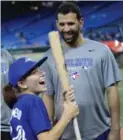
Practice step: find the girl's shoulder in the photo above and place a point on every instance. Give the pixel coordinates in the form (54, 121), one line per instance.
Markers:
(29, 99)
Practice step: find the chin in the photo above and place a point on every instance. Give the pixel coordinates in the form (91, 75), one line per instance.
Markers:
(68, 40)
(44, 90)
(71, 41)
(41, 90)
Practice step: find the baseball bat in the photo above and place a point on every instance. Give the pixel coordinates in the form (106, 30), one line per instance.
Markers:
(55, 44)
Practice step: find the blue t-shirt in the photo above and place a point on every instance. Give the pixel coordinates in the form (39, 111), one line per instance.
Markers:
(29, 118)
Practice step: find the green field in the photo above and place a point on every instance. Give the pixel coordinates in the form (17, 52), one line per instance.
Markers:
(37, 56)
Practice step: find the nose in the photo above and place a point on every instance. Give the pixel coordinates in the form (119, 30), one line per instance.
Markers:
(66, 28)
(42, 73)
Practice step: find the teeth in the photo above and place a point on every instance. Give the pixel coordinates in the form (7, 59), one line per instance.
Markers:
(41, 79)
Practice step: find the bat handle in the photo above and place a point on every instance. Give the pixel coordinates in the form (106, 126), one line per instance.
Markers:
(76, 129)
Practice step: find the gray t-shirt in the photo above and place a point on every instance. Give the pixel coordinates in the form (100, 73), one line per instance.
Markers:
(6, 59)
(92, 68)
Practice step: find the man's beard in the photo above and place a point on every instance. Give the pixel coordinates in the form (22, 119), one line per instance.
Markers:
(71, 40)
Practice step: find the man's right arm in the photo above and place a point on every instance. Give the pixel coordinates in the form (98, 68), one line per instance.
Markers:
(49, 103)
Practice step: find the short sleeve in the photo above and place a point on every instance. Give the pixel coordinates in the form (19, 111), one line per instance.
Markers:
(48, 77)
(38, 116)
(111, 73)
(6, 60)
(6, 56)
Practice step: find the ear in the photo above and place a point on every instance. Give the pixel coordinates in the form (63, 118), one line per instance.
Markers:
(81, 22)
(57, 24)
(22, 84)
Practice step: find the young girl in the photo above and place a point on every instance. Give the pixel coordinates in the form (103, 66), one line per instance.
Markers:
(29, 119)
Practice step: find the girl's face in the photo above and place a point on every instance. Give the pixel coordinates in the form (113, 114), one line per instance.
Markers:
(35, 82)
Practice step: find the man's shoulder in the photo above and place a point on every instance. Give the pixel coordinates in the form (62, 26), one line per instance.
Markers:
(49, 54)
(96, 45)
(89, 41)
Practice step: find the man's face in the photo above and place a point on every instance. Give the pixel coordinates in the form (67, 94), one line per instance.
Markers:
(69, 27)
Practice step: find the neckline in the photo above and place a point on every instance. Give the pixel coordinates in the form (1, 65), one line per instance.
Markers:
(65, 46)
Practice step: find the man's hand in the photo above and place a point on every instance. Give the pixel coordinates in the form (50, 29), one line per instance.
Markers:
(114, 134)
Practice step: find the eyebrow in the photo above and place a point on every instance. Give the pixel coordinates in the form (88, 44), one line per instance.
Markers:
(69, 22)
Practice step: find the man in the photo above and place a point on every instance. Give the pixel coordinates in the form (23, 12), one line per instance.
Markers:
(6, 59)
(92, 71)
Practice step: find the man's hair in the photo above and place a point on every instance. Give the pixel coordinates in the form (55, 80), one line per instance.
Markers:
(69, 7)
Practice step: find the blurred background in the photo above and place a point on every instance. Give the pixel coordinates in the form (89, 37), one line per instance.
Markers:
(25, 26)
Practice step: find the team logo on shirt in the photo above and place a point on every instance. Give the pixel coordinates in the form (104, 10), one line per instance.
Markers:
(75, 75)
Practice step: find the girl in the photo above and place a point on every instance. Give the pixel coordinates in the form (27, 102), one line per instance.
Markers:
(29, 119)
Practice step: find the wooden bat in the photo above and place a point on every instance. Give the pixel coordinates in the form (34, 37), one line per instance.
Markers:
(55, 44)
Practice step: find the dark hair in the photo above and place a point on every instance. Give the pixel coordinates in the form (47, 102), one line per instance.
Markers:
(10, 95)
(69, 7)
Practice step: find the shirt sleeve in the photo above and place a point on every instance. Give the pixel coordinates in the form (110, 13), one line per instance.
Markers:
(6, 60)
(111, 73)
(38, 116)
(48, 77)
(7, 56)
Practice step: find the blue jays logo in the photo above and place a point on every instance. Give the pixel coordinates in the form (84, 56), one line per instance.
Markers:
(75, 75)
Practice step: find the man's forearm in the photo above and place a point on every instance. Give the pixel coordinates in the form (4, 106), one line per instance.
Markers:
(49, 103)
(114, 106)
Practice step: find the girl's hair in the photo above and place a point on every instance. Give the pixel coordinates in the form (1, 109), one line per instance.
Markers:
(10, 95)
